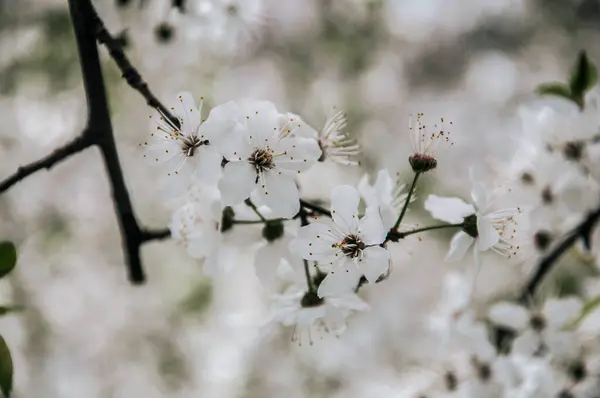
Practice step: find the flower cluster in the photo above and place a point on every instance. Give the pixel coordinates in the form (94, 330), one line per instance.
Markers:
(236, 176)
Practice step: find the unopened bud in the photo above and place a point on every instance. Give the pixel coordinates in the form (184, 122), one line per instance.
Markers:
(164, 32)
(272, 230)
(422, 163)
(311, 299)
(227, 219)
(470, 226)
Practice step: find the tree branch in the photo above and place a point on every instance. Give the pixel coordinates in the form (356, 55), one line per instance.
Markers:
(59, 154)
(84, 16)
(582, 231)
(128, 71)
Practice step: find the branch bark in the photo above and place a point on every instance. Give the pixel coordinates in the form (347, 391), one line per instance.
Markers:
(99, 125)
(59, 154)
(582, 231)
(128, 71)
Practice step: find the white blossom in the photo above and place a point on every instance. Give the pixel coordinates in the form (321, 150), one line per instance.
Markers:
(309, 315)
(187, 151)
(385, 194)
(347, 247)
(541, 332)
(336, 145)
(197, 226)
(425, 141)
(263, 162)
(482, 228)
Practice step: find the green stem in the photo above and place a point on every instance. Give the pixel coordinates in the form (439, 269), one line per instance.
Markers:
(315, 208)
(416, 231)
(311, 287)
(249, 203)
(304, 222)
(405, 207)
(244, 222)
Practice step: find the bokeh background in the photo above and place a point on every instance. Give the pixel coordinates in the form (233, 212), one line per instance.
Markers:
(86, 332)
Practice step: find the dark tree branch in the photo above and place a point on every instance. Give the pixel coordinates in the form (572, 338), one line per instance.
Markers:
(582, 231)
(84, 19)
(158, 234)
(59, 154)
(128, 71)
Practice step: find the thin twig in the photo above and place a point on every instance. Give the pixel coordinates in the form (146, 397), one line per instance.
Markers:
(59, 154)
(251, 205)
(128, 71)
(84, 17)
(406, 203)
(582, 231)
(395, 236)
(315, 208)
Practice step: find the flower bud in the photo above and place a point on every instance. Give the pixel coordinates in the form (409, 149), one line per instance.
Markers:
(227, 219)
(421, 163)
(470, 226)
(272, 230)
(311, 299)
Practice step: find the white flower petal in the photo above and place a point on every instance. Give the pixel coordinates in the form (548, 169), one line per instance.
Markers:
(187, 112)
(375, 262)
(262, 121)
(344, 208)
(221, 122)
(208, 166)
(527, 344)
(450, 210)
(339, 282)
(202, 243)
(296, 154)
(235, 146)
(510, 315)
(559, 312)
(479, 196)
(459, 245)
(370, 227)
(314, 242)
(367, 192)
(267, 260)
(487, 234)
(237, 182)
(349, 301)
(280, 193)
(563, 346)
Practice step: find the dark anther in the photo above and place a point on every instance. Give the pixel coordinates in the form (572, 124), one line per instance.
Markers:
(451, 381)
(164, 32)
(547, 196)
(527, 178)
(573, 150)
(537, 322)
(542, 240)
(577, 371)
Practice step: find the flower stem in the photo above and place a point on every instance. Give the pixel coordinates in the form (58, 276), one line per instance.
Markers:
(249, 203)
(263, 221)
(315, 208)
(405, 207)
(430, 228)
(311, 287)
(304, 222)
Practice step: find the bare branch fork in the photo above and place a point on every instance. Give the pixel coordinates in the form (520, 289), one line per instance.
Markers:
(88, 28)
(582, 231)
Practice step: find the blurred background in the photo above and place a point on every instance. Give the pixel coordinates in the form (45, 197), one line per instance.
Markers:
(86, 332)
